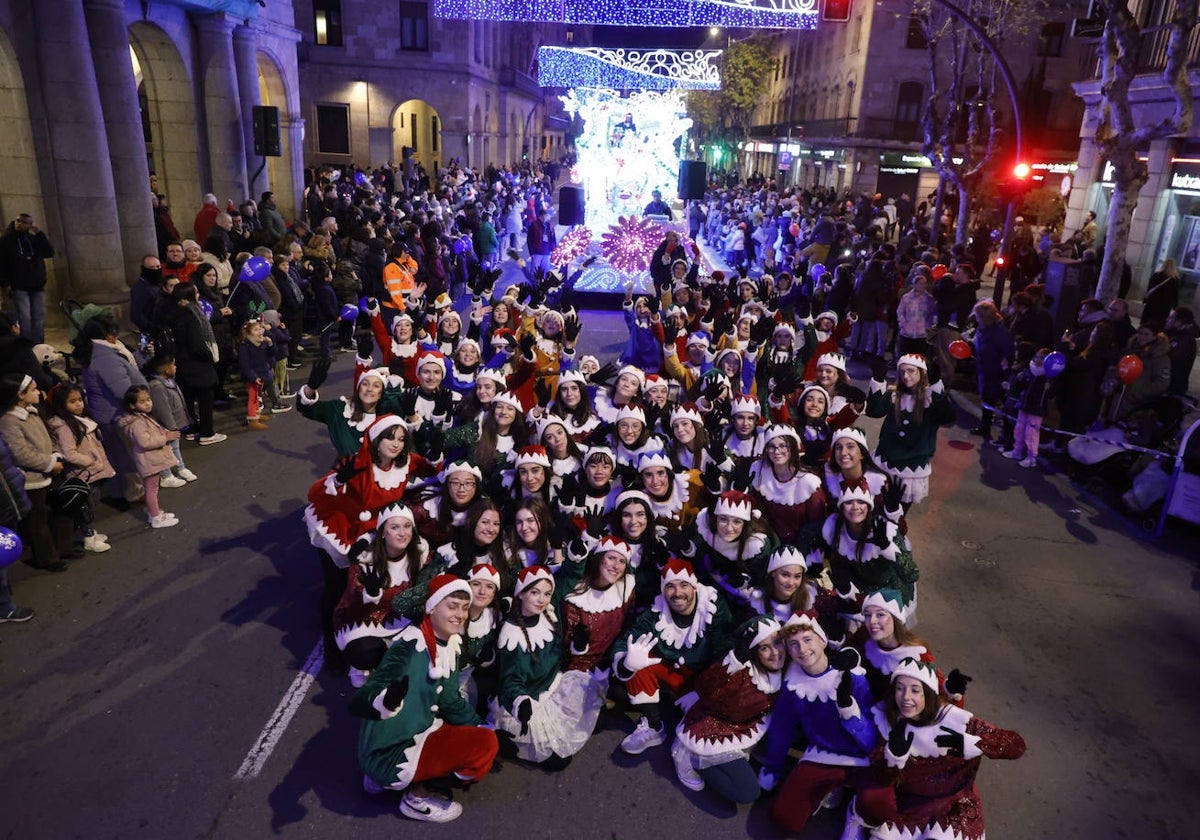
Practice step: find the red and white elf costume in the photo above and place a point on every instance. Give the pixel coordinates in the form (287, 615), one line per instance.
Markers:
(791, 503)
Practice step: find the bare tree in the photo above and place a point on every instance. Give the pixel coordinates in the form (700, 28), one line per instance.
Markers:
(1118, 137)
(961, 136)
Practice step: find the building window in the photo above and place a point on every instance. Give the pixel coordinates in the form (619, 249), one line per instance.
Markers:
(1050, 42)
(434, 128)
(412, 125)
(414, 26)
(915, 39)
(909, 102)
(333, 129)
(327, 22)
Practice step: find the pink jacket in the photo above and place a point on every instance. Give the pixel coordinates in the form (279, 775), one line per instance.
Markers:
(87, 456)
(151, 450)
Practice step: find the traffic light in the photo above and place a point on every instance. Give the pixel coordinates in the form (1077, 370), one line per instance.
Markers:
(835, 10)
(1018, 182)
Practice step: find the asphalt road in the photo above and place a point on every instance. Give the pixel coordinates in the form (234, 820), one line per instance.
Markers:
(135, 697)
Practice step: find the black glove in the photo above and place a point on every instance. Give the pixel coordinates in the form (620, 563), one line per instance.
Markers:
(365, 345)
(581, 636)
(711, 477)
(787, 381)
(396, 367)
(526, 342)
(934, 373)
(345, 470)
(319, 372)
(879, 532)
(717, 294)
(562, 532)
(371, 579)
(892, 495)
(395, 693)
(655, 552)
(443, 402)
(762, 329)
(653, 302)
(541, 390)
(739, 479)
(839, 576)
(845, 691)
(952, 742)
(607, 374)
(878, 369)
(571, 326)
(524, 712)
(956, 682)
(900, 740)
(427, 441)
(595, 525)
(487, 654)
(738, 578)
(846, 659)
(723, 323)
(713, 388)
(670, 331)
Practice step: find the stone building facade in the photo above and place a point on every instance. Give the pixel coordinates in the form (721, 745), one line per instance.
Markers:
(98, 95)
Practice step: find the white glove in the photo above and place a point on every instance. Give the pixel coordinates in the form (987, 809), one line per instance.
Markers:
(639, 654)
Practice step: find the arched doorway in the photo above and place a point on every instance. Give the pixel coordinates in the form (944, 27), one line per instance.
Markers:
(281, 174)
(168, 116)
(20, 189)
(417, 126)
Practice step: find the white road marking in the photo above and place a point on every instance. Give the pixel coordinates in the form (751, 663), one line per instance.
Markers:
(284, 712)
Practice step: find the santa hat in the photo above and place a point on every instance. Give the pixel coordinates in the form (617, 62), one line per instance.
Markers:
(922, 672)
(611, 543)
(913, 360)
(854, 433)
(857, 493)
(493, 375)
(890, 600)
(447, 315)
(396, 510)
(530, 575)
(654, 459)
(388, 421)
(679, 570)
(504, 337)
(632, 496)
(744, 404)
(718, 276)
(779, 430)
(601, 449)
(460, 466)
(584, 361)
(571, 376)
(544, 423)
(724, 354)
(403, 316)
(653, 380)
(431, 357)
(532, 455)
(629, 411)
(736, 504)
(808, 388)
(509, 398)
(830, 314)
(836, 360)
(468, 342)
(443, 586)
(807, 620)
(551, 315)
(752, 633)
(485, 572)
(373, 373)
(687, 411)
(635, 372)
(784, 329)
(700, 339)
(786, 555)
(442, 301)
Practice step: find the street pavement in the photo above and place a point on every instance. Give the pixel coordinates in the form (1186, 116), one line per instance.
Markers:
(134, 700)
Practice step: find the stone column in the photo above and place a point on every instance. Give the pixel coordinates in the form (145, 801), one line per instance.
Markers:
(222, 108)
(90, 241)
(123, 124)
(245, 53)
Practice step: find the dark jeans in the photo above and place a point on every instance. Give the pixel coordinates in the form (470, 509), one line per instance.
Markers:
(47, 534)
(335, 579)
(735, 781)
(200, 409)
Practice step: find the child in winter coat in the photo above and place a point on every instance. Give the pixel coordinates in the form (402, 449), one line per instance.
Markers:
(170, 410)
(256, 358)
(151, 445)
(281, 339)
(78, 438)
(1036, 391)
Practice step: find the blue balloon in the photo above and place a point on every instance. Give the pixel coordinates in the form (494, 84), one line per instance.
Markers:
(1054, 364)
(206, 308)
(362, 304)
(349, 312)
(255, 270)
(10, 547)
(360, 178)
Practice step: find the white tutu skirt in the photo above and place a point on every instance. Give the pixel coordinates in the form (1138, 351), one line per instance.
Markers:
(563, 717)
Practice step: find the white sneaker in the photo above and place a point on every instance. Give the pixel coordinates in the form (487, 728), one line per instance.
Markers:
(429, 808)
(684, 769)
(186, 474)
(281, 409)
(1028, 462)
(102, 537)
(171, 481)
(643, 738)
(1011, 454)
(163, 520)
(97, 545)
(216, 437)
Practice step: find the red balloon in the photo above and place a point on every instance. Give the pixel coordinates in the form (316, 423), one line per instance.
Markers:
(960, 349)
(938, 272)
(795, 229)
(1129, 369)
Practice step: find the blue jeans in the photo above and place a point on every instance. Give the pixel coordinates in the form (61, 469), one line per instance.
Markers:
(31, 312)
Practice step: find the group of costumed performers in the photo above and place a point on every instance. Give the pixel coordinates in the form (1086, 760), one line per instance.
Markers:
(515, 538)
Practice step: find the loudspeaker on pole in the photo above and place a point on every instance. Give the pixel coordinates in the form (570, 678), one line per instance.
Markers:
(693, 176)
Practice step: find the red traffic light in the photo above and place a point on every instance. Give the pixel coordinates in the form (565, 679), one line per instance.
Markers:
(1021, 170)
(835, 10)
